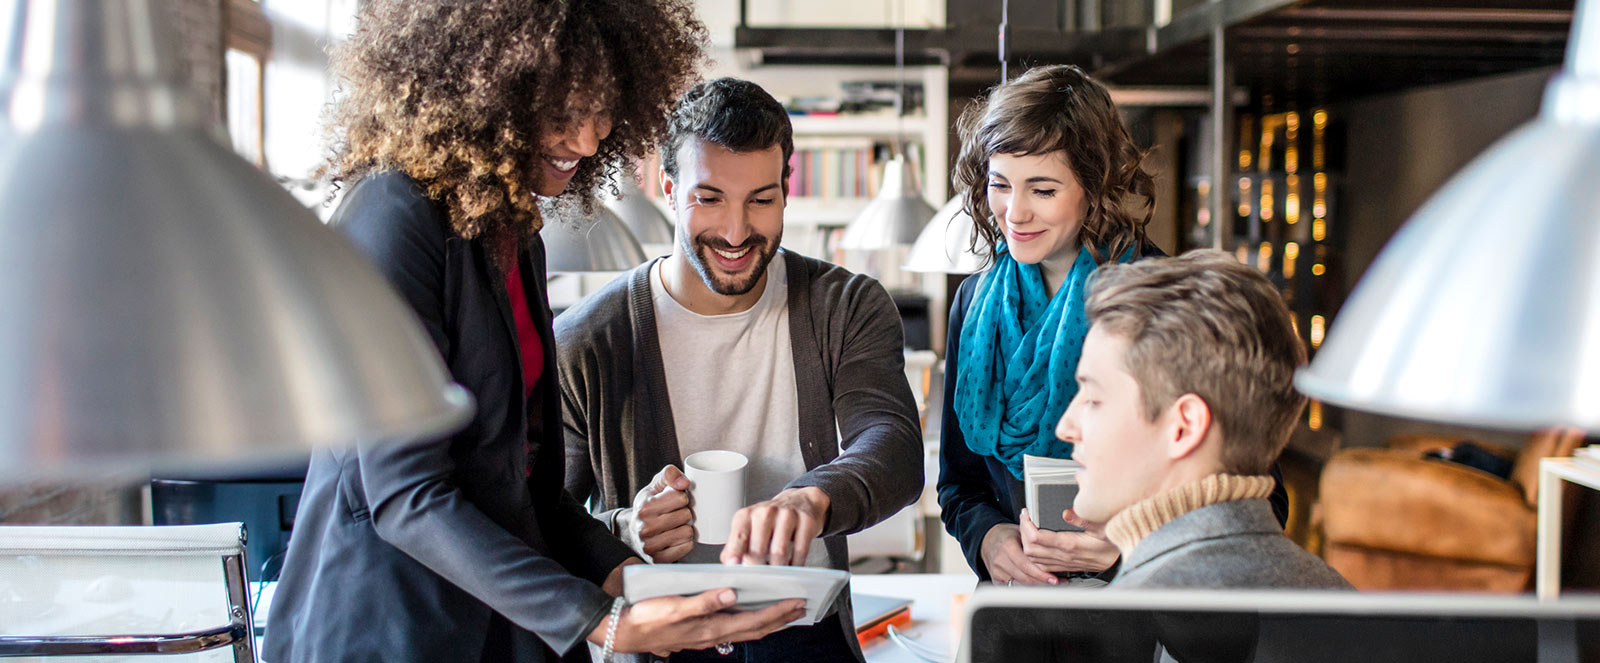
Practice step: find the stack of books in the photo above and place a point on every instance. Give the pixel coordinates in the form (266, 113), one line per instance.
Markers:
(1051, 485)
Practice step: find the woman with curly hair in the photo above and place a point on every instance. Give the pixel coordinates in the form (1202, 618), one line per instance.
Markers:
(455, 118)
(1050, 174)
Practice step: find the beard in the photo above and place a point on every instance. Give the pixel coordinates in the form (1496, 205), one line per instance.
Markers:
(699, 251)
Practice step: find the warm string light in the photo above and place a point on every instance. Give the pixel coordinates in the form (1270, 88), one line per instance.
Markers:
(1318, 326)
(1266, 199)
(1264, 257)
(1291, 152)
(1291, 253)
(1244, 196)
(1243, 254)
(1319, 229)
(1269, 131)
(1246, 128)
(1314, 416)
(1203, 216)
(1291, 200)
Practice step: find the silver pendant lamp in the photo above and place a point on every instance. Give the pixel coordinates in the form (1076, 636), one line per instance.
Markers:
(945, 245)
(894, 217)
(1484, 309)
(577, 243)
(164, 300)
(642, 217)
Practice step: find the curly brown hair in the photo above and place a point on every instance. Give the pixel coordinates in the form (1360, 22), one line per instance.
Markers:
(1059, 107)
(458, 93)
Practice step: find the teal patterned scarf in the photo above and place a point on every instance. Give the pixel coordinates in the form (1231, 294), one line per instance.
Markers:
(1019, 358)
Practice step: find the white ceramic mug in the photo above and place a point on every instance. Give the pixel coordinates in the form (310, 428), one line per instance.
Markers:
(717, 489)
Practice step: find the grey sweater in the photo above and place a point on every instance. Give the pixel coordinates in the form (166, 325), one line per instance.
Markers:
(859, 434)
(1230, 545)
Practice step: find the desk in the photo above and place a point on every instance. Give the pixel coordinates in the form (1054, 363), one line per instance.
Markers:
(931, 622)
(1554, 473)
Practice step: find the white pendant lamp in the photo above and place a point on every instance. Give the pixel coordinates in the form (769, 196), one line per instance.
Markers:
(945, 245)
(598, 242)
(894, 217)
(1484, 309)
(163, 299)
(641, 216)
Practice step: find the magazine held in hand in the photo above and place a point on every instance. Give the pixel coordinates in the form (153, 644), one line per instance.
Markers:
(1050, 485)
(757, 586)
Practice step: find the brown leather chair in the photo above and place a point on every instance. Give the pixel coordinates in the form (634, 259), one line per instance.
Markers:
(1394, 520)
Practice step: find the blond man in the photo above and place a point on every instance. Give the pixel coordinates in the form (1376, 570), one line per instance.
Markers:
(1185, 399)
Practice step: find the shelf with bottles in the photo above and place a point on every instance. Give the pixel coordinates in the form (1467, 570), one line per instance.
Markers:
(1283, 198)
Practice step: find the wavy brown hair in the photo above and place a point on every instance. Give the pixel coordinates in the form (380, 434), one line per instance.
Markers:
(1059, 108)
(458, 93)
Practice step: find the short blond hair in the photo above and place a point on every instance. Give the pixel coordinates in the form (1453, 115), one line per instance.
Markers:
(1206, 325)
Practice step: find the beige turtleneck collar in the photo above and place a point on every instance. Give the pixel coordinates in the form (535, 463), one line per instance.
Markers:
(1136, 522)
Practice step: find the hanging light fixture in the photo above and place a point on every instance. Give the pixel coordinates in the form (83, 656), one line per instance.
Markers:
(897, 214)
(598, 242)
(945, 245)
(642, 217)
(1484, 309)
(164, 299)
(894, 217)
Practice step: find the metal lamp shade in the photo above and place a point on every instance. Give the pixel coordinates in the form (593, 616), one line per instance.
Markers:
(894, 217)
(1485, 308)
(945, 245)
(164, 300)
(642, 217)
(595, 243)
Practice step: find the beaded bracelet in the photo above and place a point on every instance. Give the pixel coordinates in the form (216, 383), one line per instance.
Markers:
(611, 629)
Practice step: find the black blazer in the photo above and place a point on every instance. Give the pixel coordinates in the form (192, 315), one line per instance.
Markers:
(461, 549)
(977, 492)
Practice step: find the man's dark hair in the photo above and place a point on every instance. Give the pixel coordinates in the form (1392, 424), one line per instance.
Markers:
(733, 113)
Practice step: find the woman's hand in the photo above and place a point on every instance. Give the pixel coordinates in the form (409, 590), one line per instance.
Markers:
(1003, 555)
(1063, 552)
(671, 623)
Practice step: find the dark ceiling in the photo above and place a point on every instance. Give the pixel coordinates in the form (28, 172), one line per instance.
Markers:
(1285, 52)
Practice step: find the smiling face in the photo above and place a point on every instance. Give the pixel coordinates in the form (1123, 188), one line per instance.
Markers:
(1038, 204)
(729, 208)
(562, 150)
(1124, 456)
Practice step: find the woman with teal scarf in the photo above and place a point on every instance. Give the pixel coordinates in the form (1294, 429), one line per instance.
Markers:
(1055, 183)
(1054, 180)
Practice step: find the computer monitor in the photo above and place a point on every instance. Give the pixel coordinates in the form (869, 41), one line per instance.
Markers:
(1016, 624)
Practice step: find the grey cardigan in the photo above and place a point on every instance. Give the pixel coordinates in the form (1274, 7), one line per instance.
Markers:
(1230, 545)
(859, 434)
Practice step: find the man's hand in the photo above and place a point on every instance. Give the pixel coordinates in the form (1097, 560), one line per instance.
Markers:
(1007, 563)
(660, 523)
(1062, 552)
(778, 531)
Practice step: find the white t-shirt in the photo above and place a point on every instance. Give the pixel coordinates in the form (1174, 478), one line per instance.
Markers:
(730, 379)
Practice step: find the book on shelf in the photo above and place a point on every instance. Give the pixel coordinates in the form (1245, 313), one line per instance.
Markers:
(841, 167)
(1050, 485)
